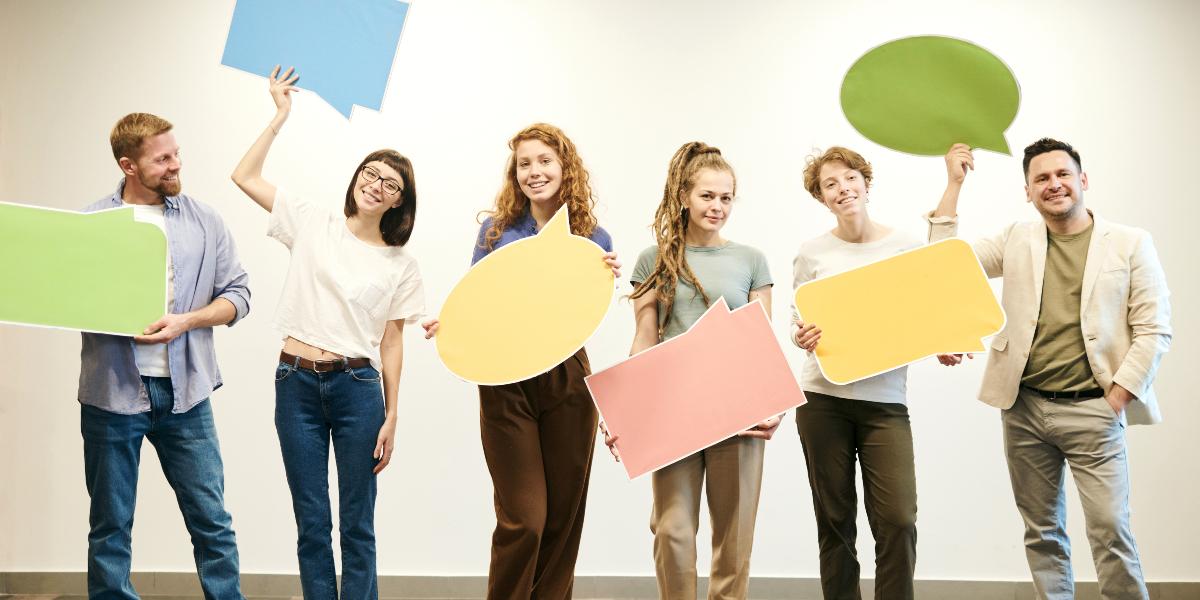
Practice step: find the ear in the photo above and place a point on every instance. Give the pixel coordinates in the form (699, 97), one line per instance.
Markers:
(128, 166)
(1083, 181)
(1028, 194)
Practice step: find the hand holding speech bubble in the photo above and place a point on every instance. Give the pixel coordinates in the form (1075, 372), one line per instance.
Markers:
(526, 307)
(931, 300)
(344, 48)
(664, 404)
(923, 94)
(102, 272)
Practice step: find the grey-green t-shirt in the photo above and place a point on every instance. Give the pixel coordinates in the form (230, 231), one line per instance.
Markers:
(730, 271)
(1058, 359)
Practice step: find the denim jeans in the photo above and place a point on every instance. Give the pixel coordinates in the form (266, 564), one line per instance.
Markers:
(310, 410)
(191, 460)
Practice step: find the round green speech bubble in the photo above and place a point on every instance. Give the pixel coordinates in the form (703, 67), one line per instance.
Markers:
(923, 94)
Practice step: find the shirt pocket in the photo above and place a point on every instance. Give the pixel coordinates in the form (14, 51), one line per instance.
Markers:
(371, 298)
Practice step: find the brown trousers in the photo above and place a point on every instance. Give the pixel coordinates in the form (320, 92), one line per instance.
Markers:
(538, 439)
(834, 432)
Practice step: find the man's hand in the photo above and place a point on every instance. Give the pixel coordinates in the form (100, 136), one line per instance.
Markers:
(611, 442)
(950, 360)
(1118, 398)
(166, 329)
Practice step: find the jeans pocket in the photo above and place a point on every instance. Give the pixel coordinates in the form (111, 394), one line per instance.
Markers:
(282, 371)
(367, 374)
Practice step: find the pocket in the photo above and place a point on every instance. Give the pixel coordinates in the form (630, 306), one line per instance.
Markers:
(999, 343)
(366, 374)
(370, 298)
(282, 371)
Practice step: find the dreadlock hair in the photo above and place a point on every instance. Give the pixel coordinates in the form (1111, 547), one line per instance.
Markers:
(671, 224)
(574, 190)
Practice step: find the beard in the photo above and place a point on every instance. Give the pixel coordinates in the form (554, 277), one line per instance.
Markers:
(165, 188)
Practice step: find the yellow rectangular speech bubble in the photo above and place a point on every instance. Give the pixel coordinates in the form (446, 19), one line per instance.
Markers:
(931, 300)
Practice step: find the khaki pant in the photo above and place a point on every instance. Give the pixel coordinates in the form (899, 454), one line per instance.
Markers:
(1043, 436)
(835, 433)
(538, 439)
(734, 472)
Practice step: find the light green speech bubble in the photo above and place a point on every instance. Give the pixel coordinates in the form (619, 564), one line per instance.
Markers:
(100, 272)
(923, 94)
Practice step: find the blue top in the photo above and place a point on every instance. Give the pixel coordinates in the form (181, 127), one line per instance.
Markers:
(525, 226)
(205, 267)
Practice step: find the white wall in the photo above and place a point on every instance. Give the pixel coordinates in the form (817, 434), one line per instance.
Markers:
(629, 81)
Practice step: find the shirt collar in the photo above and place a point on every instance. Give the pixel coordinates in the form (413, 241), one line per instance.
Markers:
(172, 202)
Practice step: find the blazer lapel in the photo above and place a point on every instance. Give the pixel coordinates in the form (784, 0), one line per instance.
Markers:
(1097, 250)
(1037, 248)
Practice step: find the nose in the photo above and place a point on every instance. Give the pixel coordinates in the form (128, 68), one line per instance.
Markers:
(1054, 183)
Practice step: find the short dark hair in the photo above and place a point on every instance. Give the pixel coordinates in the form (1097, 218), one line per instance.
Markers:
(397, 223)
(1045, 145)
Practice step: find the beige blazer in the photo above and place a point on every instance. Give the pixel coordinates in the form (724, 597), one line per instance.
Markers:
(1123, 311)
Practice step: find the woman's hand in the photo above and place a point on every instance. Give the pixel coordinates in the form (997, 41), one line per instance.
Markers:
(282, 87)
(611, 442)
(958, 161)
(764, 430)
(385, 444)
(807, 335)
(610, 259)
(431, 327)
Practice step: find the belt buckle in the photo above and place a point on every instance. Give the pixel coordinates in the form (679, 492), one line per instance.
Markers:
(334, 365)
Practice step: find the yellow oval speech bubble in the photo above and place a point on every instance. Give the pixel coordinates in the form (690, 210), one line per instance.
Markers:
(931, 300)
(526, 307)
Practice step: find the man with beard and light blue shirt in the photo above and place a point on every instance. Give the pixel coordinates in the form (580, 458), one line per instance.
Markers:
(156, 386)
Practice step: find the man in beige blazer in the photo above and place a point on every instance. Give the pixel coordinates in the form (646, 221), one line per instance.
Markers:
(1087, 323)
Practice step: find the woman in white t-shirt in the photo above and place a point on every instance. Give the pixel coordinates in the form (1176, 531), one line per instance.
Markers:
(350, 288)
(866, 420)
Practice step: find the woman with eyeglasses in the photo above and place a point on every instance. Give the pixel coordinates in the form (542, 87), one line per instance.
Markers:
(350, 288)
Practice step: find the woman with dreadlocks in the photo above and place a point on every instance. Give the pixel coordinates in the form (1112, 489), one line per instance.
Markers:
(675, 281)
(538, 434)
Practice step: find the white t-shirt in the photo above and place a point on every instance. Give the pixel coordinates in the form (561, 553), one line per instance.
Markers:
(151, 359)
(340, 292)
(829, 255)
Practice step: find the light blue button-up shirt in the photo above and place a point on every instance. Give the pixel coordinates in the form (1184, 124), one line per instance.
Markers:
(205, 267)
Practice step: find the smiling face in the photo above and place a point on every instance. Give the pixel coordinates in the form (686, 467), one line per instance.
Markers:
(373, 189)
(1055, 186)
(538, 171)
(158, 165)
(843, 190)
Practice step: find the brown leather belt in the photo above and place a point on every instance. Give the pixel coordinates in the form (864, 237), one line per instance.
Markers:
(1080, 395)
(324, 366)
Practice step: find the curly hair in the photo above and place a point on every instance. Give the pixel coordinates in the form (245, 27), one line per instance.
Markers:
(574, 190)
(671, 223)
(813, 164)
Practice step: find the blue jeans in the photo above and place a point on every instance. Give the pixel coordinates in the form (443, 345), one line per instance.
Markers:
(311, 409)
(191, 460)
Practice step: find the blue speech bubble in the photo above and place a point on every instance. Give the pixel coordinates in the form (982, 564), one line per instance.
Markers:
(343, 49)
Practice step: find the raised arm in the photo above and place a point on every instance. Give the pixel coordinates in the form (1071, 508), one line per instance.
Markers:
(958, 161)
(248, 173)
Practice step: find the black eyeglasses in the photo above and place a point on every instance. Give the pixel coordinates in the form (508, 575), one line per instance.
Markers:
(391, 187)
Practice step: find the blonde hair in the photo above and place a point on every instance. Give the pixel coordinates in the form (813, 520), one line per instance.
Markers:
(671, 223)
(574, 191)
(133, 129)
(814, 162)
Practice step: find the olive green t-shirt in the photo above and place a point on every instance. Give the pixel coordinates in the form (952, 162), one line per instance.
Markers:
(730, 271)
(1058, 359)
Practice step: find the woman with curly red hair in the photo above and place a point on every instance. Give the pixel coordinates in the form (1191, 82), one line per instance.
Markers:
(538, 434)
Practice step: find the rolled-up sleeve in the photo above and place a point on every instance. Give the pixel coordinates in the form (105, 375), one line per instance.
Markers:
(231, 281)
